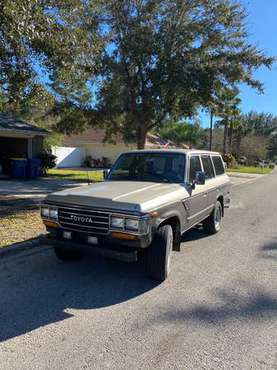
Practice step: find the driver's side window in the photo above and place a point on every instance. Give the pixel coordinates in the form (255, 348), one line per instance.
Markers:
(195, 166)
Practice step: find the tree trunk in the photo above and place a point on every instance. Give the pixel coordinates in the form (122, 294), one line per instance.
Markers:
(231, 130)
(225, 146)
(239, 138)
(141, 137)
(211, 130)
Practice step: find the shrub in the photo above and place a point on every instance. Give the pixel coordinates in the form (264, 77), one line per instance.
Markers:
(88, 161)
(48, 161)
(230, 160)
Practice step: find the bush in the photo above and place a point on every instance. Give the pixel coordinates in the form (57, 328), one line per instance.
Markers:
(103, 162)
(48, 161)
(230, 160)
(88, 161)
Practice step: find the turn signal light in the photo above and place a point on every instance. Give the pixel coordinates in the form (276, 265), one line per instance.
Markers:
(49, 223)
(124, 236)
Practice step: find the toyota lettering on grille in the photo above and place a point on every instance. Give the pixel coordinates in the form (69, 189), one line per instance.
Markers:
(82, 219)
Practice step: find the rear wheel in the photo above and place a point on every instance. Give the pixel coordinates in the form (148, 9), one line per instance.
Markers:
(65, 254)
(158, 254)
(212, 224)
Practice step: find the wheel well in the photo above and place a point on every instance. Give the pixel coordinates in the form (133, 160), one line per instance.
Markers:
(174, 222)
(221, 200)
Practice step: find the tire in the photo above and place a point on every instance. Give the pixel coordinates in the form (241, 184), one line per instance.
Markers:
(65, 254)
(158, 254)
(212, 224)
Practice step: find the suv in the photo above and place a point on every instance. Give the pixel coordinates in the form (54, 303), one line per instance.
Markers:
(148, 200)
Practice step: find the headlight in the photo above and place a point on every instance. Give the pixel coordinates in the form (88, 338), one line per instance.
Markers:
(132, 224)
(117, 222)
(54, 213)
(45, 212)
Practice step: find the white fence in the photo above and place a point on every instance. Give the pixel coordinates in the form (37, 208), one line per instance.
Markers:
(69, 156)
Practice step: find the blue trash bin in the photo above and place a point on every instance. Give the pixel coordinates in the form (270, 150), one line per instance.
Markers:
(18, 168)
(33, 168)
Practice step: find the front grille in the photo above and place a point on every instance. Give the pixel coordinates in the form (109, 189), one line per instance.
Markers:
(84, 219)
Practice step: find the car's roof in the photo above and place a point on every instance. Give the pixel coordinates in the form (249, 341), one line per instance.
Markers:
(182, 151)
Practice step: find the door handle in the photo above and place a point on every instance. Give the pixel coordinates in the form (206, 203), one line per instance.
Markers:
(205, 195)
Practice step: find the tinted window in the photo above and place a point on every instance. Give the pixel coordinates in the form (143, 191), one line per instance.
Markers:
(207, 166)
(157, 167)
(218, 165)
(195, 166)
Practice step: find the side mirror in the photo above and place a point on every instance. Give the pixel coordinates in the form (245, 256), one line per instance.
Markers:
(200, 179)
(105, 173)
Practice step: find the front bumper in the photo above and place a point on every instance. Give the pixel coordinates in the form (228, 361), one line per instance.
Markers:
(116, 252)
(109, 240)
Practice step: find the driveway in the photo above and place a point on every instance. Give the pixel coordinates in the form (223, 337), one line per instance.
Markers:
(218, 309)
(21, 194)
(34, 188)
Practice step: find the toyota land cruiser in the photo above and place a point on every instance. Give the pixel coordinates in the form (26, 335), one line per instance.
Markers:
(148, 200)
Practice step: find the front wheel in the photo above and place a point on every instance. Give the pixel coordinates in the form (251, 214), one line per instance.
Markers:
(158, 254)
(212, 224)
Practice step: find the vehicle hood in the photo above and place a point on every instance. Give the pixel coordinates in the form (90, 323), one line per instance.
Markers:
(120, 195)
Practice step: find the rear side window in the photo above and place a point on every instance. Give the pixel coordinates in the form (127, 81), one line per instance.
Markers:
(195, 166)
(218, 165)
(207, 166)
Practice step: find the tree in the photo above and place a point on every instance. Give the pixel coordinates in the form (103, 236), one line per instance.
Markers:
(182, 132)
(41, 37)
(227, 107)
(254, 148)
(164, 59)
(256, 124)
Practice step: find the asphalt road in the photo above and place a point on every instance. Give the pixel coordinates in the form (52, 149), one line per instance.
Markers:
(218, 309)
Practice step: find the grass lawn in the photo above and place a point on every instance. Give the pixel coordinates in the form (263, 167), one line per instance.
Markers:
(17, 226)
(77, 175)
(250, 169)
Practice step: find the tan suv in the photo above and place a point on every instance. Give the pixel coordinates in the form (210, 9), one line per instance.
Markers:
(147, 201)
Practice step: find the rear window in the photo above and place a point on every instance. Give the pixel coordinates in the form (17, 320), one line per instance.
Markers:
(207, 166)
(218, 165)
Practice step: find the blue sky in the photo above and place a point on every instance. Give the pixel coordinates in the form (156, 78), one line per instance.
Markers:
(262, 28)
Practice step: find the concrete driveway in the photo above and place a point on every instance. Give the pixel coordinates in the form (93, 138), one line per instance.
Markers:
(34, 188)
(21, 194)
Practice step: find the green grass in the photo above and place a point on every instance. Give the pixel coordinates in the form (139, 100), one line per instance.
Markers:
(82, 176)
(250, 169)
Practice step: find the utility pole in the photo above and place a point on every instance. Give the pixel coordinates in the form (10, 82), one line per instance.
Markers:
(211, 130)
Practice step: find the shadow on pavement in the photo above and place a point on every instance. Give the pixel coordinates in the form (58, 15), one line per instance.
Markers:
(269, 250)
(248, 305)
(36, 291)
(195, 233)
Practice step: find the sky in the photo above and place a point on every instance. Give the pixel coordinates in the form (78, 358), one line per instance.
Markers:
(262, 28)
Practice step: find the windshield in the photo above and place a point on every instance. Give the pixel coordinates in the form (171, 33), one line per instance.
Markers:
(156, 167)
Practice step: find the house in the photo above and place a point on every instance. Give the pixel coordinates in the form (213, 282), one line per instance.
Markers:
(18, 139)
(76, 148)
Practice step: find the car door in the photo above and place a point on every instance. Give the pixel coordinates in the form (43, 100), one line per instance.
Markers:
(196, 203)
(210, 187)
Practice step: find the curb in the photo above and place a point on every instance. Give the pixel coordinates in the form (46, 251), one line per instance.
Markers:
(245, 176)
(20, 247)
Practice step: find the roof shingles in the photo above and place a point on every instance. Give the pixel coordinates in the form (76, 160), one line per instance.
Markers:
(9, 123)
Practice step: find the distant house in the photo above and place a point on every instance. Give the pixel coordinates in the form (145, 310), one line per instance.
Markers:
(91, 143)
(18, 139)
